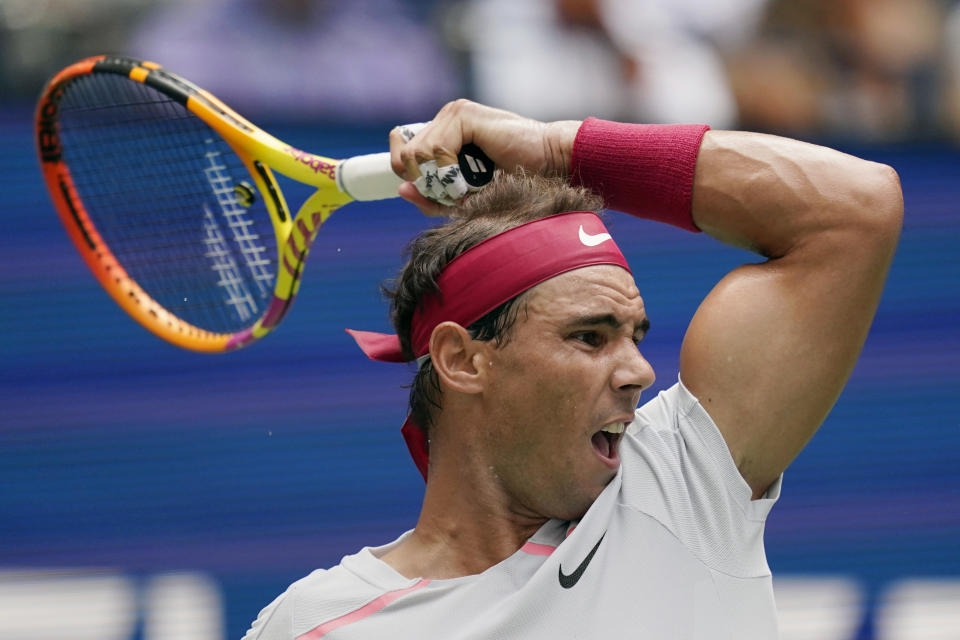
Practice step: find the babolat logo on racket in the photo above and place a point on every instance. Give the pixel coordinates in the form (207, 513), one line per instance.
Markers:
(48, 140)
(312, 161)
(477, 167)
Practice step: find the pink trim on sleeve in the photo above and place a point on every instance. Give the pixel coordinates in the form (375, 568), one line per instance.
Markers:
(365, 611)
(536, 549)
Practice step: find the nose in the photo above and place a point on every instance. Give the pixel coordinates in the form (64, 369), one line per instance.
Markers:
(632, 373)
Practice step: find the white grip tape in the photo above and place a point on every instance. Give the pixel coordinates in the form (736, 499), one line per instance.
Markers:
(368, 177)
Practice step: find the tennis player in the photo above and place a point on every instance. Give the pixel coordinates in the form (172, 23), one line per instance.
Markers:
(554, 507)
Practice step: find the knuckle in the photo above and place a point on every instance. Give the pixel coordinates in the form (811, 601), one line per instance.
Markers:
(456, 106)
(441, 151)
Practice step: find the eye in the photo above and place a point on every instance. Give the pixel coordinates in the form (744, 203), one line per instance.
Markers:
(590, 338)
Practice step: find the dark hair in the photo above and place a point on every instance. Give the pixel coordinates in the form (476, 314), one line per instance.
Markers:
(507, 202)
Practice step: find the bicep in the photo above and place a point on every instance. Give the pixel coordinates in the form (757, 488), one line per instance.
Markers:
(771, 347)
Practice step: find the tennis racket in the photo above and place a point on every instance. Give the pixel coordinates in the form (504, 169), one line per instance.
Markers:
(171, 198)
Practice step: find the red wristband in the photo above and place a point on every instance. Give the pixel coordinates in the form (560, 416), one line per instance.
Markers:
(645, 170)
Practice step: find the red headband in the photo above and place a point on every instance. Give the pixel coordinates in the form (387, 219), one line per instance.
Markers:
(489, 274)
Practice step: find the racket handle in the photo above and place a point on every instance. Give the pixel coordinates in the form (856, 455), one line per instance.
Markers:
(370, 177)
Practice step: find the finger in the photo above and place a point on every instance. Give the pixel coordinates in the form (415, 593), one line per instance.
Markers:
(397, 143)
(411, 166)
(444, 157)
(408, 131)
(402, 155)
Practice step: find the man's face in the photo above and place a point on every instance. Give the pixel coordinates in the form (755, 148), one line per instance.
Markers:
(570, 368)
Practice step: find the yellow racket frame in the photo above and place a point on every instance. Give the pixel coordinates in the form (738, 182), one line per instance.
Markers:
(260, 152)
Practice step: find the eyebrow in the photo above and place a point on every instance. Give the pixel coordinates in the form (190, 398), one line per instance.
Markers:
(610, 320)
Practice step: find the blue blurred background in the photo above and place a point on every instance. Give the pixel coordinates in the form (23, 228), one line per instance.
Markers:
(166, 494)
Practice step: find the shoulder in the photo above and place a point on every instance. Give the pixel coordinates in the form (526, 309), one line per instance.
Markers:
(666, 412)
(674, 436)
(678, 470)
(328, 598)
(275, 621)
(308, 603)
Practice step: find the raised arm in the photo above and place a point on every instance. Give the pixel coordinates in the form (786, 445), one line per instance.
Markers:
(771, 347)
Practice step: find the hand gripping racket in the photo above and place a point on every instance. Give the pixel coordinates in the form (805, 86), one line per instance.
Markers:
(171, 199)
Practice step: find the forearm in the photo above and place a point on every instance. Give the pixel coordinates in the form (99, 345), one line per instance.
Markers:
(760, 192)
(774, 195)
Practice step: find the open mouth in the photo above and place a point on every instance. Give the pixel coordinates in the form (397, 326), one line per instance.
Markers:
(606, 441)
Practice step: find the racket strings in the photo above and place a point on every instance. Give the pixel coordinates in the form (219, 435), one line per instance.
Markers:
(159, 186)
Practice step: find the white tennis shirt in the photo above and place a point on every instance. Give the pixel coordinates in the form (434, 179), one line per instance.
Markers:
(672, 549)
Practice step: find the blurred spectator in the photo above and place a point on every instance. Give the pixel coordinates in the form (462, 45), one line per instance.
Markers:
(860, 68)
(353, 60)
(952, 72)
(868, 69)
(39, 37)
(650, 60)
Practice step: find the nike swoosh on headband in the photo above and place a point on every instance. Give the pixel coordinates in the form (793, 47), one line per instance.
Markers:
(593, 240)
(485, 276)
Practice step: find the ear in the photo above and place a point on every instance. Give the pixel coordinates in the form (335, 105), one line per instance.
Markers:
(455, 356)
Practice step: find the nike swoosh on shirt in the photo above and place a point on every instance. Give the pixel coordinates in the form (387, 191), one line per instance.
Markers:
(593, 240)
(568, 581)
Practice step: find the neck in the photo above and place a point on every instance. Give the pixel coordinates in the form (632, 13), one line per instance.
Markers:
(466, 525)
